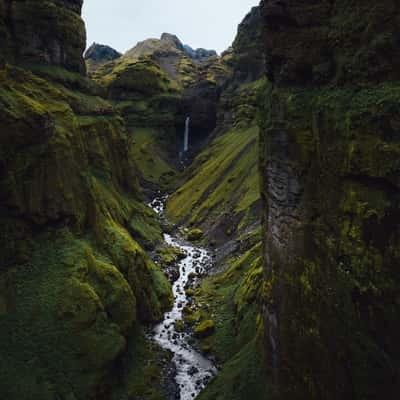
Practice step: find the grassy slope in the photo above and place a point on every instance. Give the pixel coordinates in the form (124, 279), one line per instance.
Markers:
(151, 155)
(231, 299)
(223, 184)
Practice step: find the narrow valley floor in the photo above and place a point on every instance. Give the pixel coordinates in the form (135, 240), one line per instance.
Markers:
(192, 369)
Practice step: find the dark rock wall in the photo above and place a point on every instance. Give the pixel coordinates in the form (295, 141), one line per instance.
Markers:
(239, 102)
(330, 148)
(46, 31)
(101, 53)
(248, 55)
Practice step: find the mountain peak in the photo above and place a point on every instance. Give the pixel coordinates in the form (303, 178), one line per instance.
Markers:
(172, 38)
(101, 52)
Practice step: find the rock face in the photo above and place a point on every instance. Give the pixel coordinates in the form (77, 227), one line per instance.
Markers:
(239, 102)
(181, 83)
(199, 53)
(355, 49)
(215, 202)
(99, 54)
(45, 32)
(330, 149)
(74, 282)
(248, 54)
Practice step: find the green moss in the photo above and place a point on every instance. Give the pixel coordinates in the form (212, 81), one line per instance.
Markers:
(243, 377)
(195, 234)
(151, 155)
(204, 329)
(343, 151)
(189, 315)
(75, 280)
(62, 315)
(179, 326)
(223, 183)
(145, 227)
(233, 299)
(51, 32)
(170, 255)
(143, 371)
(144, 77)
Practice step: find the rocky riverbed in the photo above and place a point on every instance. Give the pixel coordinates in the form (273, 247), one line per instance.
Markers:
(192, 369)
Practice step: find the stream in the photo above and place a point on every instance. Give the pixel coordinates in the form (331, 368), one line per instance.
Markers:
(193, 369)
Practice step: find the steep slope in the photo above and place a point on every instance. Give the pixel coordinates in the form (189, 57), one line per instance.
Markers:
(221, 196)
(75, 283)
(330, 186)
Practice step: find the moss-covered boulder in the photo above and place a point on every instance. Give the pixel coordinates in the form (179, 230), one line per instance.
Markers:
(195, 234)
(204, 329)
(179, 326)
(169, 255)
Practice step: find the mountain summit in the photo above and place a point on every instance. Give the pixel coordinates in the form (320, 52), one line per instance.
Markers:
(168, 44)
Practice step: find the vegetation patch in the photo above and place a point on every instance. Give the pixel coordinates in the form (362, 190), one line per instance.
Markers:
(204, 329)
(195, 234)
(222, 190)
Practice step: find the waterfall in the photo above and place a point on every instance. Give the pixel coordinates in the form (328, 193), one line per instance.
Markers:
(186, 138)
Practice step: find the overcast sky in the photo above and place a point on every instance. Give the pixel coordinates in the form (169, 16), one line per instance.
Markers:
(121, 24)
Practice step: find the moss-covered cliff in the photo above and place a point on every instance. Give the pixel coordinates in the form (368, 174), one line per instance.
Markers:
(47, 31)
(74, 280)
(330, 187)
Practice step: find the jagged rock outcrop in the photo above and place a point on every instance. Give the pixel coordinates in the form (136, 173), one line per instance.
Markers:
(49, 32)
(199, 53)
(239, 103)
(248, 54)
(99, 54)
(167, 46)
(331, 191)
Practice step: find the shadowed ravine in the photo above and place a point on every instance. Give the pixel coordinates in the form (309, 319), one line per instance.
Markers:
(193, 370)
(290, 184)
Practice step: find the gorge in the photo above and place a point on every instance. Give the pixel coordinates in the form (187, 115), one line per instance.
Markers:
(262, 264)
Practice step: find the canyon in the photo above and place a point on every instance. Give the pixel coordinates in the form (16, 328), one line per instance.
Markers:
(179, 224)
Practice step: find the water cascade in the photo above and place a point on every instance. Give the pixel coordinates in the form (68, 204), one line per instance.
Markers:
(193, 369)
(186, 137)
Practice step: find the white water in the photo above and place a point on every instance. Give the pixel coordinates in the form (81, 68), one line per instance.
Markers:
(193, 370)
(186, 137)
